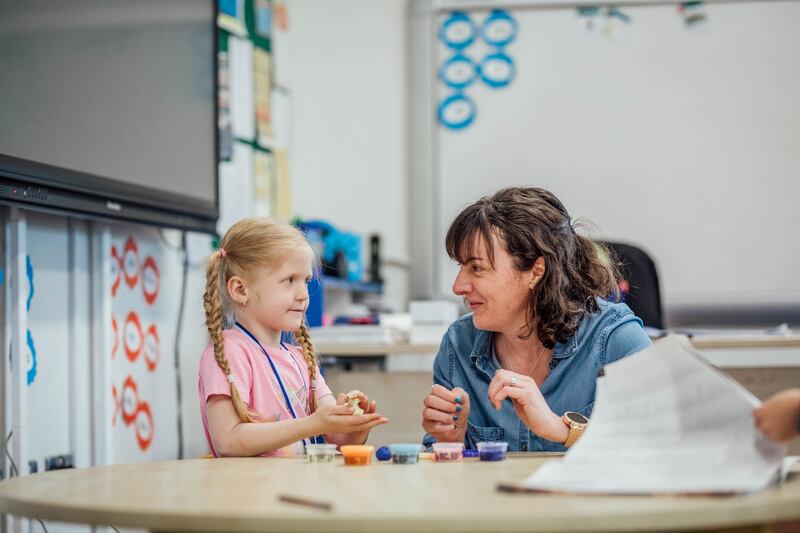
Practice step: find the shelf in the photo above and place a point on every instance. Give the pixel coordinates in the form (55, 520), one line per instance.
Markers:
(329, 282)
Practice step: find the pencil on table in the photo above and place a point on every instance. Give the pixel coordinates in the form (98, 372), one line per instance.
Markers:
(325, 506)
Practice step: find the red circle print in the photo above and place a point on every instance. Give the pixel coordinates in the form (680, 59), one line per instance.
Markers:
(117, 405)
(152, 348)
(116, 270)
(130, 262)
(144, 426)
(115, 333)
(151, 281)
(130, 401)
(132, 336)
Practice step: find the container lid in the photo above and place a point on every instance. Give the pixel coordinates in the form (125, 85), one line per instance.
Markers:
(320, 448)
(492, 446)
(357, 449)
(448, 446)
(405, 449)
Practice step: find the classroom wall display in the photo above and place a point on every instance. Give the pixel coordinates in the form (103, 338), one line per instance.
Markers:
(225, 133)
(673, 139)
(95, 324)
(49, 336)
(142, 387)
(231, 16)
(253, 170)
(472, 47)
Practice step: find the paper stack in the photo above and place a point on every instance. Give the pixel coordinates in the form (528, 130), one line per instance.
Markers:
(666, 421)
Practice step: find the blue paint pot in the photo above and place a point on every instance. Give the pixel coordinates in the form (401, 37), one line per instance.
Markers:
(492, 451)
(405, 454)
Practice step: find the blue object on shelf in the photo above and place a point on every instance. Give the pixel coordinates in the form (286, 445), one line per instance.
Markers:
(370, 320)
(316, 294)
(316, 302)
(340, 251)
(355, 286)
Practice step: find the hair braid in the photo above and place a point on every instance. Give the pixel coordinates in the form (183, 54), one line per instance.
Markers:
(212, 302)
(304, 338)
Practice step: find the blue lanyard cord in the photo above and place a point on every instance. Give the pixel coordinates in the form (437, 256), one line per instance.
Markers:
(277, 375)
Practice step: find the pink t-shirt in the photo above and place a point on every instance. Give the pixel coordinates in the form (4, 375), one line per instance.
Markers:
(257, 383)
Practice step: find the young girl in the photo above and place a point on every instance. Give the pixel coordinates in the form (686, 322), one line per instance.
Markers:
(259, 396)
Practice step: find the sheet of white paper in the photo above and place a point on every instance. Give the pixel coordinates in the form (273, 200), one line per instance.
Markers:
(280, 52)
(242, 91)
(281, 118)
(235, 187)
(666, 421)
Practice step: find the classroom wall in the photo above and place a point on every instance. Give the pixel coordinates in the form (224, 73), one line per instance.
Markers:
(347, 73)
(676, 139)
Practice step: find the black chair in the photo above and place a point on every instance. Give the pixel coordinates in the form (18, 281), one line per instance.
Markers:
(638, 282)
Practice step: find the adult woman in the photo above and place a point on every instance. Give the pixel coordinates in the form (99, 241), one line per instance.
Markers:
(540, 330)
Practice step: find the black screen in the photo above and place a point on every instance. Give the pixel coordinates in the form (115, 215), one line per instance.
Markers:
(113, 98)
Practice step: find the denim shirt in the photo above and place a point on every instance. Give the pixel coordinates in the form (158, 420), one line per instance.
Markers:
(466, 359)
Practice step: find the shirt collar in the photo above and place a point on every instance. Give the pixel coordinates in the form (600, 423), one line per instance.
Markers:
(482, 355)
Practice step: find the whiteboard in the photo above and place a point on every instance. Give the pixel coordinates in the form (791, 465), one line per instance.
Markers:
(680, 140)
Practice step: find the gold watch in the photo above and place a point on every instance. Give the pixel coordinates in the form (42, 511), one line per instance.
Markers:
(576, 423)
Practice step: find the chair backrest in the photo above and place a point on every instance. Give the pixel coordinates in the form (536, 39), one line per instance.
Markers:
(638, 282)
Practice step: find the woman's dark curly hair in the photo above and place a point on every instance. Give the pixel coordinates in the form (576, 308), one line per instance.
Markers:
(531, 223)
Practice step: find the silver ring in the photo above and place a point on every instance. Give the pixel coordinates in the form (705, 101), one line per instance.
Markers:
(514, 380)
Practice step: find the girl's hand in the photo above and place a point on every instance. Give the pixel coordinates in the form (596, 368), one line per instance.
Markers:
(446, 413)
(337, 418)
(529, 404)
(779, 415)
(369, 407)
(363, 401)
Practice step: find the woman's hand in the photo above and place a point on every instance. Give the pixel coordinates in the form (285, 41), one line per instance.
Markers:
(339, 419)
(446, 413)
(529, 404)
(778, 416)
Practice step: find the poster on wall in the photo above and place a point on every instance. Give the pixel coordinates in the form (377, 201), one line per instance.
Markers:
(143, 320)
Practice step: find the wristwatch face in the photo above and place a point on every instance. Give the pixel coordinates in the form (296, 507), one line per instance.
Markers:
(576, 417)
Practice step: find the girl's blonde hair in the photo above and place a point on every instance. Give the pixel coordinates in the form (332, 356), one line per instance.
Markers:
(249, 244)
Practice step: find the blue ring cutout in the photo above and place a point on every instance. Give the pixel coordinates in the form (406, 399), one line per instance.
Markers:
(32, 348)
(497, 56)
(454, 18)
(458, 58)
(452, 99)
(495, 15)
(29, 275)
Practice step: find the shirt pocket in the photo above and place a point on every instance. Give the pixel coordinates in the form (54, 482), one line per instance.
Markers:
(484, 433)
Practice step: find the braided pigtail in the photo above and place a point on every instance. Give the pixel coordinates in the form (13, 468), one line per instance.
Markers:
(212, 302)
(304, 338)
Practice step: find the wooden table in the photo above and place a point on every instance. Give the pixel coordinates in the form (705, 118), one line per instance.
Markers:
(242, 495)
